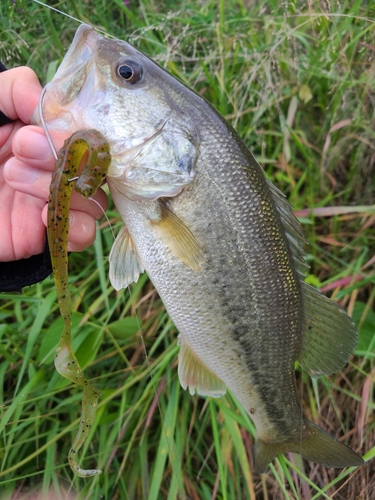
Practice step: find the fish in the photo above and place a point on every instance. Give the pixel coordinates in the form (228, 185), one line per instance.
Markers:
(218, 240)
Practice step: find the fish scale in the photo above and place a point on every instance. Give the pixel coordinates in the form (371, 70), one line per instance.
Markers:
(219, 242)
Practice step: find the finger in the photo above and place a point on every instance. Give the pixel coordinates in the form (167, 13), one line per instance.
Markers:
(22, 229)
(82, 230)
(31, 146)
(7, 133)
(36, 182)
(95, 208)
(30, 171)
(20, 91)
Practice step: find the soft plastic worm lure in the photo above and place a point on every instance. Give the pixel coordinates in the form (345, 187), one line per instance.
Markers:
(67, 164)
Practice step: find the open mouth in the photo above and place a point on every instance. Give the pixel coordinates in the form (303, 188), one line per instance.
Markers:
(80, 51)
(68, 82)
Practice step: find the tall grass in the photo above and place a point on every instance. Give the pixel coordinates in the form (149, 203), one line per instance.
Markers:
(296, 80)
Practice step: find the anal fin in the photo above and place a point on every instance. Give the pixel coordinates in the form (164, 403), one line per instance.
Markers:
(195, 375)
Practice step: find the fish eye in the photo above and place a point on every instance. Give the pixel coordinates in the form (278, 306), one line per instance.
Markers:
(129, 71)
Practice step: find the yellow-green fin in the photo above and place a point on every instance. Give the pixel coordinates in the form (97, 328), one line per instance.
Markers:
(329, 334)
(318, 446)
(124, 264)
(195, 375)
(178, 238)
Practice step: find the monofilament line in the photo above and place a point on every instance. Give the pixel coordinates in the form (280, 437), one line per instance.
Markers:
(154, 388)
(44, 125)
(57, 10)
(71, 17)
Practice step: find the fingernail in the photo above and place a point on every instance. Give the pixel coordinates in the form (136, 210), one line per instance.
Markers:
(34, 145)
(72, 219)
(20, 172)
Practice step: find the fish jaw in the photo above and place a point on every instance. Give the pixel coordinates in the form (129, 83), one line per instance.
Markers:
(63, 99)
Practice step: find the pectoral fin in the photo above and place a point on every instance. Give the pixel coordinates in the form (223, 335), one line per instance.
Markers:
(195, 375)
(178, 238)
(124, 264)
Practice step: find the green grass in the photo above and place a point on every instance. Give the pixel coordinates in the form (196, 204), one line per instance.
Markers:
(297, 83)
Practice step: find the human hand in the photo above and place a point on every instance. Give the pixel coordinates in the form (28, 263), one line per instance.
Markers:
(26, 163)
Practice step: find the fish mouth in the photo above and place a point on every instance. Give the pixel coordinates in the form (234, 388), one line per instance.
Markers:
(80, 51)
(58, 108)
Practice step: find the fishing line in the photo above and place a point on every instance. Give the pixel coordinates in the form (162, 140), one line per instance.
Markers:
(105, 215)
(155, 390)
(44, 125)
(57, 10)
(70, 17)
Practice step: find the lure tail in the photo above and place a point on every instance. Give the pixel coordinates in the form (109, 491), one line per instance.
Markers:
(67, 164)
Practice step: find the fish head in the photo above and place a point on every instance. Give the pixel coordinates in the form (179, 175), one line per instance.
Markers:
(108, 85)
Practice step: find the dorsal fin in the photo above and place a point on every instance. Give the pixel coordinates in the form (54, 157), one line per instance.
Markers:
(329, 334)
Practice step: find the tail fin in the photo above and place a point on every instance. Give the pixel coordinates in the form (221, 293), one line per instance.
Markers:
(318, 446)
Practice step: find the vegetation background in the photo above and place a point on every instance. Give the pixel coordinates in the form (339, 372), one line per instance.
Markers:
(297, 81)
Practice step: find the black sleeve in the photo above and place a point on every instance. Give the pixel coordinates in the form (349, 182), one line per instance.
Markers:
(19, 273)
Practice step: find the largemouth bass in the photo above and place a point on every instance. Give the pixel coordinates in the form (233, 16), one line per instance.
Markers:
(218, 241)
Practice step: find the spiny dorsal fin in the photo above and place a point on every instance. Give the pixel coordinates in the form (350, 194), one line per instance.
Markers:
(178, 238)
(329, 335)
(195, 375)
(124, 264)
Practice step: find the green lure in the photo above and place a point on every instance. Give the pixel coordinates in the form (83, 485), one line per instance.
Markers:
(87, 183)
